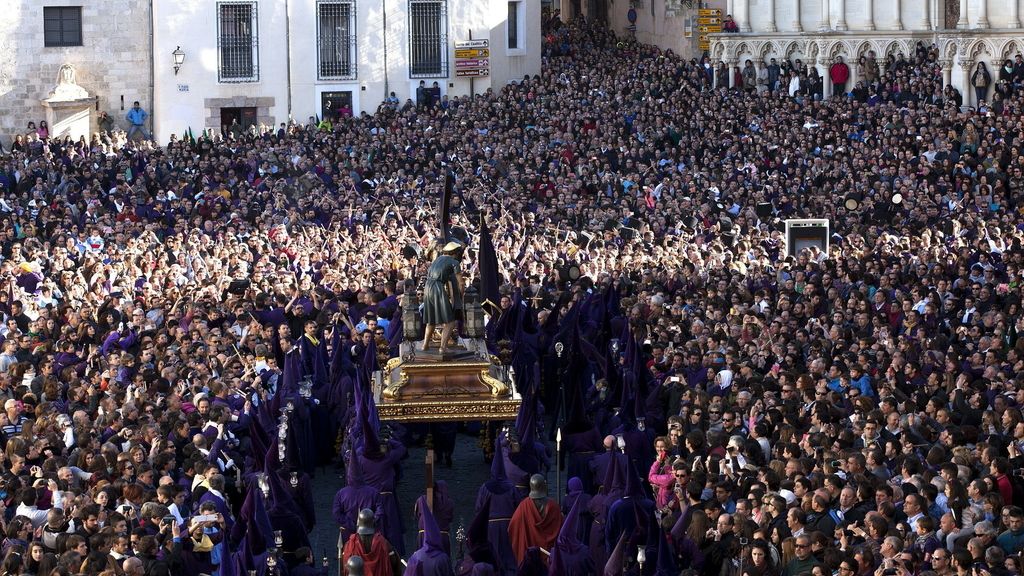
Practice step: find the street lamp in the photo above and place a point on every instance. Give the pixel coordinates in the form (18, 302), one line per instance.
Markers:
(179, 57)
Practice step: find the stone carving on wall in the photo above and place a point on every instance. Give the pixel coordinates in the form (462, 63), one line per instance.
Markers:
(67, 85)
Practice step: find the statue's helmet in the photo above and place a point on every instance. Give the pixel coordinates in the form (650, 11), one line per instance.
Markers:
(365, 523)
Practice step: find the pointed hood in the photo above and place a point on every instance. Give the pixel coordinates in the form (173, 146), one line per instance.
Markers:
(488, 262)
(292, 373)
(431, 532)
(666, 565)
(366, 409)
(633, 488)
(499, 482)
(570, 557)
(568, 539)
(353, 473)
(364, 388)
(612, 479)
(370, 439)
(253, 525)
(613, 567)
(480, 549)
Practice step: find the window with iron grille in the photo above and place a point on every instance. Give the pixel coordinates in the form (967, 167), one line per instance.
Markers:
(238, 42)
(336, 40)
(428, 38)
(62, 26)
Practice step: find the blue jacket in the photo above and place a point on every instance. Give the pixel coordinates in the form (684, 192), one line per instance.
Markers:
(136, 116)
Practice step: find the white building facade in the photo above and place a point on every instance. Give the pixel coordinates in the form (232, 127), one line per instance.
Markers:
(965, 31)
(107, 43)
(268, 61)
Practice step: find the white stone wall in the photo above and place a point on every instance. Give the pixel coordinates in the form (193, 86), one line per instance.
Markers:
(192, 24)
(113, 63)
(959, 50)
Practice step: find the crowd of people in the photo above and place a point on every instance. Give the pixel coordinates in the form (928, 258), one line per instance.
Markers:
(188, 330)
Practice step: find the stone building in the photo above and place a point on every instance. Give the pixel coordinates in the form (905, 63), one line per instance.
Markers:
(197, 64)
(251, 62)
(107, 43)
(964, 31)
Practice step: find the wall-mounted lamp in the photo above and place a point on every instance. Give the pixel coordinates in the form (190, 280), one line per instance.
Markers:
(179, 57)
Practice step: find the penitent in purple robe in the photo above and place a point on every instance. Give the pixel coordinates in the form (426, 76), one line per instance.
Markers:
(504, 499)
(570, 557)
(379, 472)
(430, 559)
(353, 498)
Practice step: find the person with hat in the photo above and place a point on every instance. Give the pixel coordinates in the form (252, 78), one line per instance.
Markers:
(536, 521)
(376, 554)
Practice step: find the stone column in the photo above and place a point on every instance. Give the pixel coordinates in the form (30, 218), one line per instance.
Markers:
(825, 23)
(982, 14)
(743, 15)
(731, 65)
(826, 81)
(841, 17)
(869, 11)
(730, 7)
(899, 14)
(1014, 14)
(797, 27)
(965, 88)
(962, 23)
(947, 72)
(926, 18)
(769, 8)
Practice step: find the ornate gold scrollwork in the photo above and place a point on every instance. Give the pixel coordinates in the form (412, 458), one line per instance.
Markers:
(498, 388)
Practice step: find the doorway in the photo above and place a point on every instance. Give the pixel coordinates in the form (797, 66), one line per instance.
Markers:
(334, 105)
(237, 120)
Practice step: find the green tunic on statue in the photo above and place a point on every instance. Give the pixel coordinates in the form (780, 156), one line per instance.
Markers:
(437, 307)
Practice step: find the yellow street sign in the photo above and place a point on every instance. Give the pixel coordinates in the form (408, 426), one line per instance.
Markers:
(709, 12)
(473, 53)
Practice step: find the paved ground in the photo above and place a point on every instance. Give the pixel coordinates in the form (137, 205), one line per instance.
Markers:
(464, 478)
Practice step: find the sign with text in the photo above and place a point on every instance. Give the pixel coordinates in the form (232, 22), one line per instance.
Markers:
(472, 53)
(474, 63)
(483, 43)
(709, 12)
(472, 58)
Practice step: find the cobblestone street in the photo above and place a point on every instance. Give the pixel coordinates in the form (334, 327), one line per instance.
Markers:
(468, 471)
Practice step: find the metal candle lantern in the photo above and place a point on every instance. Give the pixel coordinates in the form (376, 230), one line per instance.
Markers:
(261, 481)
(306, 387)
(641, 557)
(278, 539)
(294, 480)
(473, 322)
(412, 324)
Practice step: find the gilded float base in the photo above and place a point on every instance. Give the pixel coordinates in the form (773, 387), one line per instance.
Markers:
(448, 410)
(465, 384)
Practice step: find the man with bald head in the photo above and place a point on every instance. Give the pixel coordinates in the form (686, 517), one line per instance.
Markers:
(133, 567)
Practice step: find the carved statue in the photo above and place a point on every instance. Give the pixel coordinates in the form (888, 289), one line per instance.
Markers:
(66, 75)
(67, 85)
(442, 295)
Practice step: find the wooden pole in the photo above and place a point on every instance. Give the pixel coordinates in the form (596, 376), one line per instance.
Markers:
(430, 478)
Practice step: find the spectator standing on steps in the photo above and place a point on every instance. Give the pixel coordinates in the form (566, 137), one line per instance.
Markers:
(136, 117)
(839, 73)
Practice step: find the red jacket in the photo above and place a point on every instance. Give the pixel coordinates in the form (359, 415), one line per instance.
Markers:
(839, 73)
